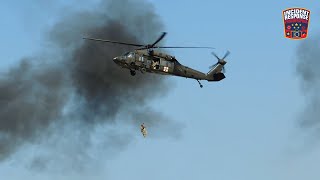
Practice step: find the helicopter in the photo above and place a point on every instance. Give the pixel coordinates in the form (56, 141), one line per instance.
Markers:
(147, 60)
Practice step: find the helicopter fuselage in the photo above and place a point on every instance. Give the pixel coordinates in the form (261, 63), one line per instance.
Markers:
(159, 63)
(145, 59)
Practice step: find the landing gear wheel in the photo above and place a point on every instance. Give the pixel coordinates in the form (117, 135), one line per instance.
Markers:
(201, 86)
(132, 73)
(143, 70)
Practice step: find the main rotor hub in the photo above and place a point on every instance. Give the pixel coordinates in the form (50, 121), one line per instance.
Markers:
(222, 62)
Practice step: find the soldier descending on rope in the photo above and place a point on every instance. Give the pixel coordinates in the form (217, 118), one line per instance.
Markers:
(143, 130)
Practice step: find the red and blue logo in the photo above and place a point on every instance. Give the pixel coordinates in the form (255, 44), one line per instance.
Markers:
(296, 23)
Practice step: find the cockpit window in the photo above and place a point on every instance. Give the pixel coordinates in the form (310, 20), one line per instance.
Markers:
(131, 54)
(128, 54)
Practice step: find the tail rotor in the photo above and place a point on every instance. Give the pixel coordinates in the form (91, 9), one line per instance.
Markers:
(220, 61)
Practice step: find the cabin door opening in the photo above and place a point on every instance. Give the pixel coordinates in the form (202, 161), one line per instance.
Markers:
(156, 63)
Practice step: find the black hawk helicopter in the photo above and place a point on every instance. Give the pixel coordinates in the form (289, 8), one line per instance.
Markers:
(146, 59)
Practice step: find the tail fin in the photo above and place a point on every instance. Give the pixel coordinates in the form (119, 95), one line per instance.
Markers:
(216, 74)
(217, 70)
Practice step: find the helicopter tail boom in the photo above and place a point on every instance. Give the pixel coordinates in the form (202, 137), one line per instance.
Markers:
(215, 74)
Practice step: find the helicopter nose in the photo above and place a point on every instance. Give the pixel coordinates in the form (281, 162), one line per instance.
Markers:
(116, 59)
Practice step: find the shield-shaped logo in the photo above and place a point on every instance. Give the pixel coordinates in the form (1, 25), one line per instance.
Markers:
(296, 23)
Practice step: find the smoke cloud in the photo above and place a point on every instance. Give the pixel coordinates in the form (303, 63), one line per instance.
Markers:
(72, 98)
(308, 72)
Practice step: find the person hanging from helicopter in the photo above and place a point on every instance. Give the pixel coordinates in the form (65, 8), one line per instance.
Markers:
(143, 130)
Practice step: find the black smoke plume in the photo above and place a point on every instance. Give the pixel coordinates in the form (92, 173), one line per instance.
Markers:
(308, 70)
(73, 90)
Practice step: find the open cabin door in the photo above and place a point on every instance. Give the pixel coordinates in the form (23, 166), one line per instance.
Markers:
(156, 63)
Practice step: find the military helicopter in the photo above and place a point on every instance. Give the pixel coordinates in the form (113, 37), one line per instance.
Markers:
(146, 59)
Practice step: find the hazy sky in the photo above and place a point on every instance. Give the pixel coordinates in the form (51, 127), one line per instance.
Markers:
(244, 127)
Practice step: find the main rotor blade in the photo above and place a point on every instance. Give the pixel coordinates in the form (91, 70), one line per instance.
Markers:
(159, 39)
(215, 55)
(228, 52)
(176, 47)
(116, 42)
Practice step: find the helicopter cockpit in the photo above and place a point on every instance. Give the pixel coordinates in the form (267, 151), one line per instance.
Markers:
(125, 56)
(128, 54)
